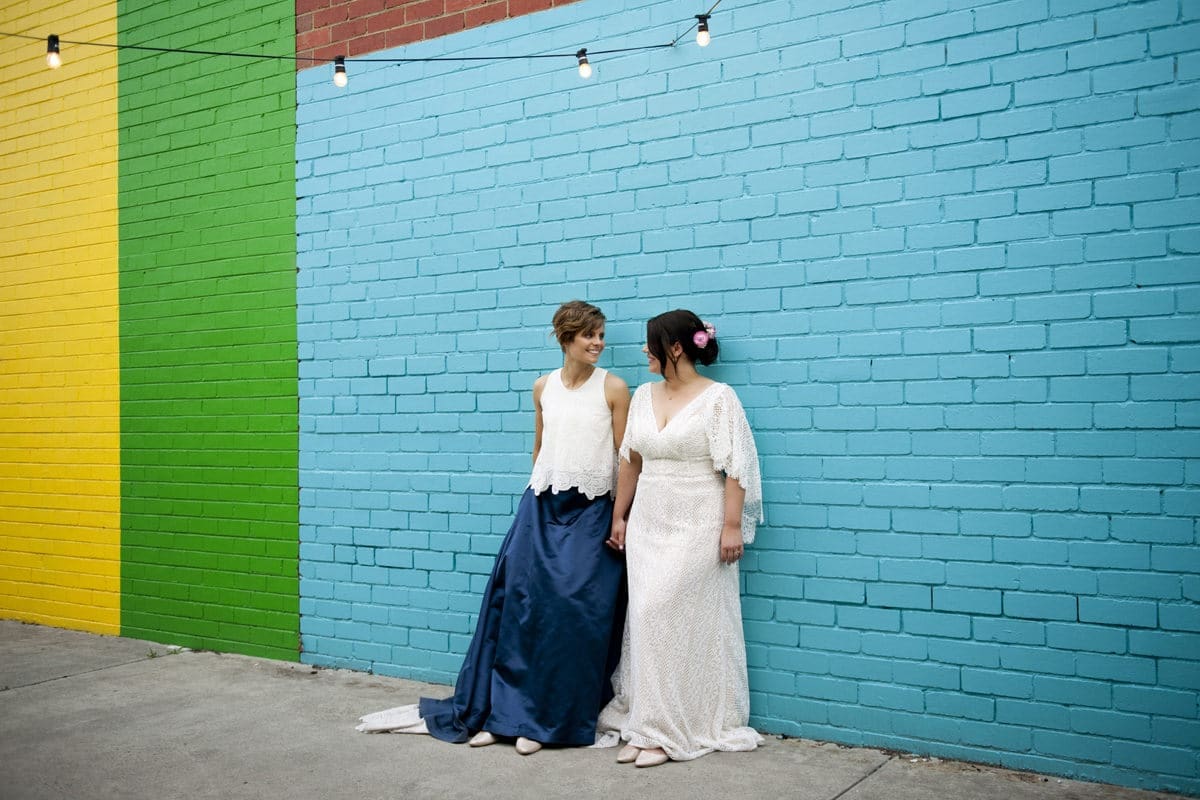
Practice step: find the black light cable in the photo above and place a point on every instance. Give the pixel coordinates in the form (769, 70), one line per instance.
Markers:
(341, 77)
(703, 37)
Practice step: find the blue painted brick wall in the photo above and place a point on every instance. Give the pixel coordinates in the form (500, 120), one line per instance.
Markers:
(951, 248)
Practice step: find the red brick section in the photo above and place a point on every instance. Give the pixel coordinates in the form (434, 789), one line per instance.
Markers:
(328, 28)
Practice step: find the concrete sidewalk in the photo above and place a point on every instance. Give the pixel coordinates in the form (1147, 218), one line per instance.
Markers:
(85, 716)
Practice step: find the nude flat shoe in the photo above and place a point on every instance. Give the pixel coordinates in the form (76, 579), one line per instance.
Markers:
(482, 739)
(647, 758)
(527, 747)
(628, 754)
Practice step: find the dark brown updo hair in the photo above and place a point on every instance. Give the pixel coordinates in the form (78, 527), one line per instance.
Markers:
(573, 318)
(679, 326)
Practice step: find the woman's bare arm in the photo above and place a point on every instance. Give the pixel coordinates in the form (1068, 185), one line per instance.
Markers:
(731, 531)
(538, 386)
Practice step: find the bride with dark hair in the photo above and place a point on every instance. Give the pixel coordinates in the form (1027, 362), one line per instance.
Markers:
(689, 497)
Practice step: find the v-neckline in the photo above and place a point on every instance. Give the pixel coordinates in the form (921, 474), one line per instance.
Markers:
(679, 413)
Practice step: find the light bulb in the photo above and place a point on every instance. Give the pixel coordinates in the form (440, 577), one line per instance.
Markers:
(585, 69)
(53, 58)
(702, 35)
(340, 78)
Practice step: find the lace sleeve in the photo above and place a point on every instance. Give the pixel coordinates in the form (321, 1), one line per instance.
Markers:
(640, 396)
(731, 444)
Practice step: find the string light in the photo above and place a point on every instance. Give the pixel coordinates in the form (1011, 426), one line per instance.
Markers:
(340, 76)
(53, 57)
(585, 69)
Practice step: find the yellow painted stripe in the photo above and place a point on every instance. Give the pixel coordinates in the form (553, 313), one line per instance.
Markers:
(60, 488)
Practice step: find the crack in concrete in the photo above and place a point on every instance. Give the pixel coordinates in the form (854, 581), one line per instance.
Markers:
(880, 766)
(76, 674)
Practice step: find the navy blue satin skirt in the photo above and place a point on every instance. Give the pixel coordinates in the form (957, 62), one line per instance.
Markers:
(549, 629)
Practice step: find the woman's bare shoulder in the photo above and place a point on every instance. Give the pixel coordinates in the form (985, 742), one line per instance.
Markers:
(539, 385)
(614, 383)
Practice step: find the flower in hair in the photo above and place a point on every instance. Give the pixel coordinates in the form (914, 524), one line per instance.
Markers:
(702, 338)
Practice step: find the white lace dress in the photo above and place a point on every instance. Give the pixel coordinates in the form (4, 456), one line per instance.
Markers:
(681, 684)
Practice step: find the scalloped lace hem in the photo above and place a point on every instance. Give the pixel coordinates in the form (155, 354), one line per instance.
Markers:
(589, 484)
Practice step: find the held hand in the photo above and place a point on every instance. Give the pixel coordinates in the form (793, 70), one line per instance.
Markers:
(731, 543)
(616, 537)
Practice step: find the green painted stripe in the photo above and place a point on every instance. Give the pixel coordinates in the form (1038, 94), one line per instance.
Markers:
(209, 428)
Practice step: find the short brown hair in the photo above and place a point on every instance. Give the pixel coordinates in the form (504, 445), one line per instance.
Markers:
(573, 318)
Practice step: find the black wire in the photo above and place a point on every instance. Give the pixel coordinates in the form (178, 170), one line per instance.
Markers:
(631, 49)
(164, 49)
(24, 36)
(694, 24)
(497, 58)
(349, 60)
(192, 52)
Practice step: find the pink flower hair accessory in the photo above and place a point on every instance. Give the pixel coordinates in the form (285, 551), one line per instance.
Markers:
(701, 338)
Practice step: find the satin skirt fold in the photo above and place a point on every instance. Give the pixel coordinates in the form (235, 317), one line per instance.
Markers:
(549, 630)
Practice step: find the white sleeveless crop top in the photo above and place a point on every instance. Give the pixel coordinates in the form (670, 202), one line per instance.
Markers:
(577, 439)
